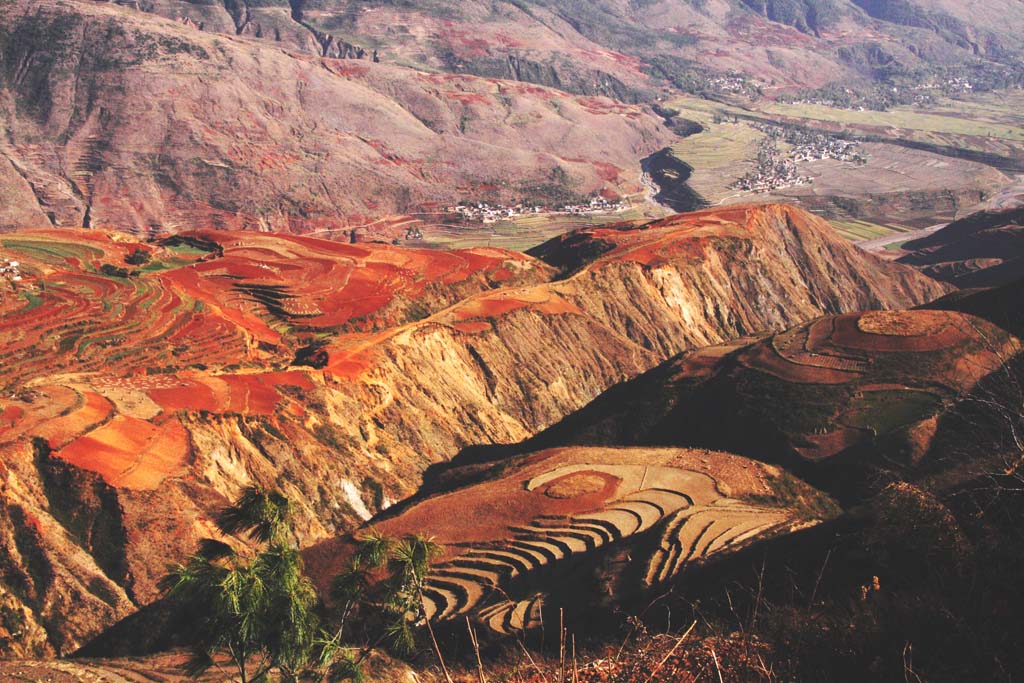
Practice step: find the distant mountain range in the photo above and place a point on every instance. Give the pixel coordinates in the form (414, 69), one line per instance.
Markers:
(322, 116)
(624, 47)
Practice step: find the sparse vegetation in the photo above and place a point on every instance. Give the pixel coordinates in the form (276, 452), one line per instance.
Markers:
(381, 591)
(259, 610)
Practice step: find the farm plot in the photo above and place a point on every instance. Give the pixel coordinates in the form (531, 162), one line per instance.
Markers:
(848, 380)
(522, 534)
(312, 284)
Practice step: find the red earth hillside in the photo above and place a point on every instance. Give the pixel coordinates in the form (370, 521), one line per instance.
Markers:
(145, 382)
(536, 535)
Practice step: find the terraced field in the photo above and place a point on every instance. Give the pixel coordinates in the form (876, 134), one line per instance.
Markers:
(859, 231)
(860, 356)
(527, 532)
(199, 326)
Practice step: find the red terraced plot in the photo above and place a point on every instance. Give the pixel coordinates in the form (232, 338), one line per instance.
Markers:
(92, 411)
(131, 453)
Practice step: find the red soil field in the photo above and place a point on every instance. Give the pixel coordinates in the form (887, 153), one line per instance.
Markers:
(472, 327)
(936, 330)
(331, 283)
(131, 453)
(94, 410)
(827, 445)
(10, 415)
(494, 305)
(681, 238)
(190, 395)
(764, 358)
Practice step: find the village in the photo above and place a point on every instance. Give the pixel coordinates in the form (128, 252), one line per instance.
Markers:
(492, 213)
(885, 97)
(777, 170)
(11, 273)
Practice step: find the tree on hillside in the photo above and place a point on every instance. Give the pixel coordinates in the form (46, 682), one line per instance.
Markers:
(258, 611)
(383, 589)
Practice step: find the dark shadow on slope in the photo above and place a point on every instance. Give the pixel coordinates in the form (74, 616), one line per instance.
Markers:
(670, 175)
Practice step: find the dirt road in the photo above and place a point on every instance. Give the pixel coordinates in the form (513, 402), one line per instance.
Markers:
(880, 243)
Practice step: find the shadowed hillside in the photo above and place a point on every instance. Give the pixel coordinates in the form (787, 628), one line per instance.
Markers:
(985, 249)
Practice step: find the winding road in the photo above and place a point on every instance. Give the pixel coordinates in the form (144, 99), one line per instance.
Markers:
(880, 243)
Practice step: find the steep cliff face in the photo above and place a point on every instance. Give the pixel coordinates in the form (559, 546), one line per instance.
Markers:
(338, 372)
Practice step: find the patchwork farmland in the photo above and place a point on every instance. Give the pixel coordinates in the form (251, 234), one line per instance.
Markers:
(139, 334)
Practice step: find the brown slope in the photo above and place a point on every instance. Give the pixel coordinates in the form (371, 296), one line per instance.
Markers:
(165, 392)
(985, 249)
(119, 119)
(840, 400)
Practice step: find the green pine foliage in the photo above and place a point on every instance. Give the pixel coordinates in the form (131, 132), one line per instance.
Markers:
(262, 613)
(389, 609)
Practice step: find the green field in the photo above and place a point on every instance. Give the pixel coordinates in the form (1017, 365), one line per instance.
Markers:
(994, 116)
(885, 411)
(984, 118)
(719, 145)
(50, 251)
(857, 230)
(519, 234)
(703, 111)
